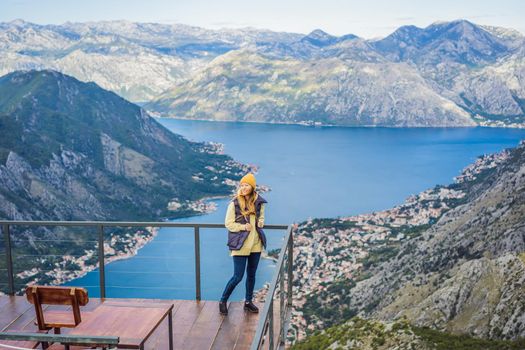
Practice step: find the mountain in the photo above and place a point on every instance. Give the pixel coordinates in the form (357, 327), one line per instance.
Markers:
(495, 92)
(458, 41)
(136, 60)
(319, 44)
(248, 86)
(479, 68)
(71, 150)
(433, 76)
(320, 38)
(513, 38)
(450, 259)
(448, 74)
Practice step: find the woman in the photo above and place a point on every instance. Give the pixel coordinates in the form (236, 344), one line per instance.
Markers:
(246, 239)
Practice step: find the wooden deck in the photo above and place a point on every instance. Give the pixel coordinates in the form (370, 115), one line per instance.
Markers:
(196, 324)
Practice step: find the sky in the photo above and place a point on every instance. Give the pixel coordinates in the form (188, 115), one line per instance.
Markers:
(365, 18)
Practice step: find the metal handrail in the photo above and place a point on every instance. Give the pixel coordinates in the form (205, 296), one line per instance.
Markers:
(266, 317)
(125, 224)
(266, 320)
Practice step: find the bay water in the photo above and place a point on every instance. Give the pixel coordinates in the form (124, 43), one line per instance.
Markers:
(313, 172)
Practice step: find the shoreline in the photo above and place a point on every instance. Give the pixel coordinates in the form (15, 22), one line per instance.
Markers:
(61, 276)
(320, 125)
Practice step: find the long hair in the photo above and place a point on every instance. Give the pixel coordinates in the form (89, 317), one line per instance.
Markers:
(247, 205)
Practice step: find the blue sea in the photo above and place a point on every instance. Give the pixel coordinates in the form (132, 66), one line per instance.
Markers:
(312, 172)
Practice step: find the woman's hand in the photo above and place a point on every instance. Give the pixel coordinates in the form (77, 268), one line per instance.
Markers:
(260, 224)
(248, 227)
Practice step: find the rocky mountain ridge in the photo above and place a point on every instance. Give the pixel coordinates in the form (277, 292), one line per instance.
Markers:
(448, 74)
(467, 272)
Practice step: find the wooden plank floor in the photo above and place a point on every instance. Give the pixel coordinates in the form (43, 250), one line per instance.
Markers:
(196, 325)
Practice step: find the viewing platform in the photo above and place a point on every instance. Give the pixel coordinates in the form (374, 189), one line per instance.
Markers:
(193, 324)
(196, 324)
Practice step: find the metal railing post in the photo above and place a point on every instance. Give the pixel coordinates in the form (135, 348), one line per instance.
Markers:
(9, 260)
(290, 267)
(101, 266)
(282, 310)
(270, 323)
(197, 264)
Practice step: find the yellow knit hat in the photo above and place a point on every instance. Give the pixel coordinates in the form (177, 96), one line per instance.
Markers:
(249, 179)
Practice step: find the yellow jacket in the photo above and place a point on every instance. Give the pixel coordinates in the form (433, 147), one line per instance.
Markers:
(252, 244)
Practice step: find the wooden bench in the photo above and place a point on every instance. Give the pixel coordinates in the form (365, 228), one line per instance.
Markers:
(56, 319)
(47, 319)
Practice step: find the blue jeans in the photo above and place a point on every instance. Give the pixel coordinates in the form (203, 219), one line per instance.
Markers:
(239, 264)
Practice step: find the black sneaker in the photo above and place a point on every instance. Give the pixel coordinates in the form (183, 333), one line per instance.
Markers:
(223, 308)
(249, 306)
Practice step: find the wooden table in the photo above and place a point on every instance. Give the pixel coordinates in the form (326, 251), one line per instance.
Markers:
(133, 323)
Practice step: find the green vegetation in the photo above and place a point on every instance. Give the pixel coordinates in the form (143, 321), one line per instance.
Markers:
(411, 231)
(445, 341)
(380, 254)
(364, 334)
(330, 304)
(370, 334)
(479, 114)
(335, 224)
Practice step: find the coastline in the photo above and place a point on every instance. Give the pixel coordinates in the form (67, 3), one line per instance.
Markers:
(60, 275)
(483, 124)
